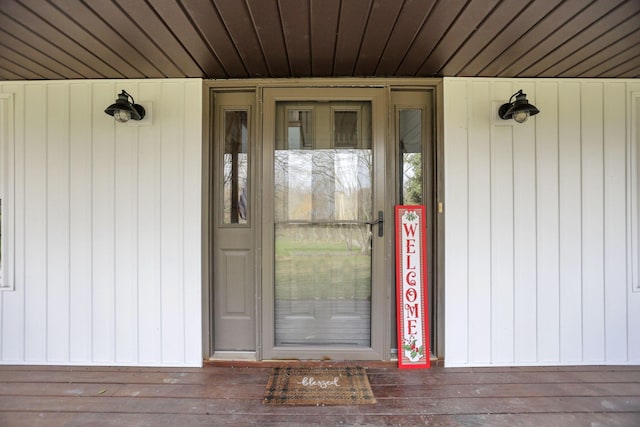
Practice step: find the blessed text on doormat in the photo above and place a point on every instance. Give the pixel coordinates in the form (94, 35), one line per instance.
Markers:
(318, 386)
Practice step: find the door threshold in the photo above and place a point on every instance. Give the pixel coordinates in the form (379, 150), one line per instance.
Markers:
(296, 362)
(246, 363)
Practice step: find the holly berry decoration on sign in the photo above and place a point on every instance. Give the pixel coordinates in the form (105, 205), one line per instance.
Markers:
(412, 350)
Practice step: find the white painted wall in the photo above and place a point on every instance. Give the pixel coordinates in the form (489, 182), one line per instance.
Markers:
(107, 226)
(537, 230)
(539, 237)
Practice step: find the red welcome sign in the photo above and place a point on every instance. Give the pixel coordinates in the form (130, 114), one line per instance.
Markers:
(411, 286)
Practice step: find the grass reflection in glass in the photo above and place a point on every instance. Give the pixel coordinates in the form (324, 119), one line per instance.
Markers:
(321, 262)
(323, 285)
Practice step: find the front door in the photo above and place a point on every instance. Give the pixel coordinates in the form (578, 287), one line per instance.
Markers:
(323, 229)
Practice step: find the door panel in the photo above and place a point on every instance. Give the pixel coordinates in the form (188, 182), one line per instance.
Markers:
(322, 247)
(322, 203)
(234, 288)
(322, 284)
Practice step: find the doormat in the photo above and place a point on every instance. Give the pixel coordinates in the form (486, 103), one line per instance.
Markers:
(314, 386)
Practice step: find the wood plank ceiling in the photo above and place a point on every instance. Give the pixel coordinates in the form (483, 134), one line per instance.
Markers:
(96, 39)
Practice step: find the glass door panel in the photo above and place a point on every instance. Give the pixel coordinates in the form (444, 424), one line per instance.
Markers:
(322, 203)
(323, 286)
(410, 138)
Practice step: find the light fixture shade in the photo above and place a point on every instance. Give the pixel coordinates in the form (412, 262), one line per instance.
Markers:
(518, 110)
(123, 110)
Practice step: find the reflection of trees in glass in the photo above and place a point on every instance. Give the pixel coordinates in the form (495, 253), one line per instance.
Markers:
(354, 176)
(235, 167)
(331, 187)
(410, 137)
(412, 179)
(239, 162)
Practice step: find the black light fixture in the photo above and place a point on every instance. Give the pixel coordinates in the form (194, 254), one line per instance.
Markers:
(123, 110)
(518, 110)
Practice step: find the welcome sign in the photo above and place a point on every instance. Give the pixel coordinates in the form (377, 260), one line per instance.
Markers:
(411, 286)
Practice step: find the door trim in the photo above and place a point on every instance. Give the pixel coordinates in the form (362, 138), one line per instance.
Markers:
(433, 85)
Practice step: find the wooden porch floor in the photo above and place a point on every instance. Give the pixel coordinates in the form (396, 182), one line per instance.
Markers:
(231, 395)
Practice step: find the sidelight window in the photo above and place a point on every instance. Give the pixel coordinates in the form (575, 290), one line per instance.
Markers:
(410, 138)
(236, 167)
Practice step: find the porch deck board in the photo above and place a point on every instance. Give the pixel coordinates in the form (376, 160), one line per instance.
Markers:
(226, 395)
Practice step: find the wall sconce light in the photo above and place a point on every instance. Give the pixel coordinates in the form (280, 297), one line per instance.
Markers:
(518, 110)
(123, 110)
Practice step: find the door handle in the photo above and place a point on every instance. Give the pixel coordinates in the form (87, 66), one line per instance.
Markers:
(380, 222)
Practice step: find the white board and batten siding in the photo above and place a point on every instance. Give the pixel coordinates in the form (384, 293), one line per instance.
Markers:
(107, 226)
(541, 223)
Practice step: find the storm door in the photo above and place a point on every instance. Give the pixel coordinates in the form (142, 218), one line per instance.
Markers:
(323, 224)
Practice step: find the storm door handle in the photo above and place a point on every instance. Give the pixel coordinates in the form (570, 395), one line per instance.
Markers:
(380, 222)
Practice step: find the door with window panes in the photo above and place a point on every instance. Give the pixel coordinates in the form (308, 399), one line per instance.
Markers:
(323, 183)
